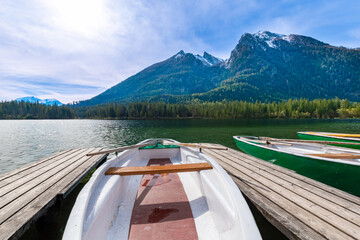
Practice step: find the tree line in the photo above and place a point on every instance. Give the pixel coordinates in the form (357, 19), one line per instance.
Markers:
(292, 108)
(26, 110)
(299, 108)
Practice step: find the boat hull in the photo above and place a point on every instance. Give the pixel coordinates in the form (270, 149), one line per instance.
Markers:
(342, 176)
(116, 207)
(306, 136)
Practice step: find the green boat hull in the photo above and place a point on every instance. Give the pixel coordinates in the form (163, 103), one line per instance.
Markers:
(342, 176)
(331, 139)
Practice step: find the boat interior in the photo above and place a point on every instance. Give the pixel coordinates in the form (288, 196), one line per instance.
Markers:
(202, 203)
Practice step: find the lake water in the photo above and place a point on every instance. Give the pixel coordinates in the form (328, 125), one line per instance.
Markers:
(26, 141)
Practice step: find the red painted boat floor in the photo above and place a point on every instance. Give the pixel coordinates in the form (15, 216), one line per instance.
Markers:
(161, 209)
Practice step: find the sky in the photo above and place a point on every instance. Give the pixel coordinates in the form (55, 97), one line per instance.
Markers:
(75, 49)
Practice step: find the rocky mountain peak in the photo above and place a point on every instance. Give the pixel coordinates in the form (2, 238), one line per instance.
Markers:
(211, 59)
(265, 39)
(207, 59)
(266, 35)
(179, 54)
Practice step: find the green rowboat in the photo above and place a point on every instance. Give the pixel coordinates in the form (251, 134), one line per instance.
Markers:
(333, 137)
(334, 166)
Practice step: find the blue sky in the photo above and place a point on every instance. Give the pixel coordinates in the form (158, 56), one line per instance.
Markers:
(75, 49)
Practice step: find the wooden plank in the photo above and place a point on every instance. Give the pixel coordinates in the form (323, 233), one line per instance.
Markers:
(334, 199)
(41, 185)
(322, 227)
(36, 179)
(33, 168)
(125, 171)
(339, 211)
(27, 177)
(285, 222)
(20, 221)
(285, 198)
(346, 196)
(335, 155)
(308, 181)
(80, 173)
(30, 165)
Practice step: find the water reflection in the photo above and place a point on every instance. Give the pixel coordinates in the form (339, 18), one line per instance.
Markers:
(25, 141)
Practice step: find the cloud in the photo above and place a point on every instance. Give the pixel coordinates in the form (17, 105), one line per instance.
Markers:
(88, 42)
(87, 46)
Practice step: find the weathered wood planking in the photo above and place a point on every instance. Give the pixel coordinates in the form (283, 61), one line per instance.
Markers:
(26, 193)
(301, 208)
(126, 171)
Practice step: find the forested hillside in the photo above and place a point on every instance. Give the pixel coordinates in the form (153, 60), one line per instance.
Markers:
(27, 110)
(320, 108)
(303, 108)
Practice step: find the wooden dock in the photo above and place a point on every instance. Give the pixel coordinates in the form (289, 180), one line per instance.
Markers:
(27, 193)
(301, 208)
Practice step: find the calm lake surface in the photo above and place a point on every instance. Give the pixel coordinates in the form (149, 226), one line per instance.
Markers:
(26, 141)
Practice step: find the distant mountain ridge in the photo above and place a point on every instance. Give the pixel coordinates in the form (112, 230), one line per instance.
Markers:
(33, 99)
(263, 66)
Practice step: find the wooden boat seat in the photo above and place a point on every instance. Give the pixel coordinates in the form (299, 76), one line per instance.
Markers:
(336, 155)
(125, 171)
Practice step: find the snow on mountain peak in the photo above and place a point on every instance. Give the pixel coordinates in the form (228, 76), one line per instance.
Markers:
(211, 59)
(203, 60)
(180, 54)
(208, 59)
(266, 35)
(269, 37)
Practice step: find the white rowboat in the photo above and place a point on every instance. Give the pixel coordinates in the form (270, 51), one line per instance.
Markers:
(192, 198)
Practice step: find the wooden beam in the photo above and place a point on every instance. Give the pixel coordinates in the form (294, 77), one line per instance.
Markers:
(336, 134)
(120, 149)
(192, 145)
(276, 140)
(125, 171)
(336, 155)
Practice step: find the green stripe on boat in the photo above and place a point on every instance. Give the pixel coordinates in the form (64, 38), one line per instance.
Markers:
(339, 175)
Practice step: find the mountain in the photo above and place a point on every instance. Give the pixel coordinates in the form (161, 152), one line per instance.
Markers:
(294, 66)
(181, 74)
(33, 99)
(263, 66)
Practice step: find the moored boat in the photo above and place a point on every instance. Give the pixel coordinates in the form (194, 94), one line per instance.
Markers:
(333, 137)
(335, 166)
(161, 191)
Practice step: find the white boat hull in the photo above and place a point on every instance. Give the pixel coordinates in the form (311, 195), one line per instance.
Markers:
(104, 207)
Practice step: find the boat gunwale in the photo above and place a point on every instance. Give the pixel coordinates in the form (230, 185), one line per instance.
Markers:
(241, 138)
(319, 134)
